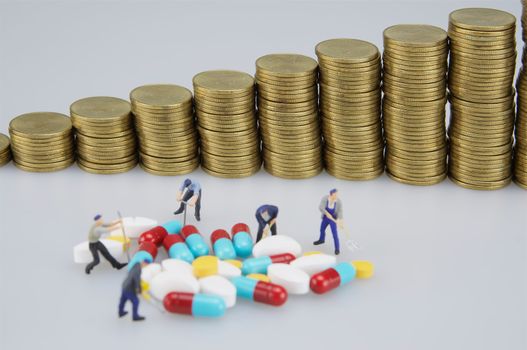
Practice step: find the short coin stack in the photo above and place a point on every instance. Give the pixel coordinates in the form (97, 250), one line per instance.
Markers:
(164, 122)
(520, 148)
(350, 106)
(106, 142)
(288, 115)
(414, 85)
(225, 110)
(481, 73)
(5, 150)
(42, 141)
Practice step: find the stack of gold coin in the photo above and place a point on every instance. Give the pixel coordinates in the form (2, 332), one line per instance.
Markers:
(481, 73)
(5, 150)
(164, 122)
(42, 141)
(350, 106)
(414, 85)
(520, 148)
(225, 110)
(106, 142)
(288, 115)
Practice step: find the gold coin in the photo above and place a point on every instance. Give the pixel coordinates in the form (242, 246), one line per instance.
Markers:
(415, 35)
(482, 19)
(100, 108)
(346, 50)
(286, 65)
(40, 125)
(50, 168)
(224, 82)
(160, 96)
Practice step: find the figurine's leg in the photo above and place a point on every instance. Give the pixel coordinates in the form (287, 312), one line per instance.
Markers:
(180, 209)
(104, 251)
(261, 226)
(335, 233)
(135, 307)
(273, 229)
(122, 302)
(323, 225)
(95, 254)
(198, 207)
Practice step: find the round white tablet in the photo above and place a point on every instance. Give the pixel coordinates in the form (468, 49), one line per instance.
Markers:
(220, 286)
(315, 263)
(166, 282)
(177, 266)
(150, 271)
(228, 270)
(294, 280)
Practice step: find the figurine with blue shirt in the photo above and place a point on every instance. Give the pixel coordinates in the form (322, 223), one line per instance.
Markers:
(266, 216)
(189, 193)
(331, 209)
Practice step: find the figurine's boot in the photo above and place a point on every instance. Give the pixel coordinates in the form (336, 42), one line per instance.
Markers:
(120, 266)
(318, 242)
(337, 252)
(180, 209)
(139, 318)
(123, 313)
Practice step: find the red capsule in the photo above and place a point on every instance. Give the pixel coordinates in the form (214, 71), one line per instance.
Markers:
(269, 293)
(178, 303)
(217, 234)
(170, 240)
(240, 227)
(325, 281)
(149, 247)
(155, 235)
(284, 258)
(188, 230)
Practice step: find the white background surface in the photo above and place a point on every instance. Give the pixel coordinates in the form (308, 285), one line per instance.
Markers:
(451, 263)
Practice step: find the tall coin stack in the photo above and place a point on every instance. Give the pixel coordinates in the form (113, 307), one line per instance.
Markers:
(520, 148)
(481, 73)
(288, 115)
(105, 137)
(414, 85)
(164, 122)
(350, 106)
(225, 110)
(5, 150)
(42, 141)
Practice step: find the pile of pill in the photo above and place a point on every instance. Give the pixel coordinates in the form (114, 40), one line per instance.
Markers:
(199, 281)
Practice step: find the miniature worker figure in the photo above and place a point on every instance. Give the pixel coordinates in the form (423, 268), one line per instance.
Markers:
(331, 209)
(98, 229)
(189, 193)
(131, 289)
(266, 216)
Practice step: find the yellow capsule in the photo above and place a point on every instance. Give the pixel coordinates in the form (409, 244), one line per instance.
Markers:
(205, 266)
(259, 277)
(364, 269)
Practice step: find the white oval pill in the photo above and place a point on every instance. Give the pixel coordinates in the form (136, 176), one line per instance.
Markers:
(294, 280)
(134, 226)
(220, 286)
(277, 245)
(150, 271)
(228, 270)
(166, 282)
(177, 266)
(315, 263)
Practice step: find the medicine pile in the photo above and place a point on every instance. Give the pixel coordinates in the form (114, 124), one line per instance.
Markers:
(195, 280)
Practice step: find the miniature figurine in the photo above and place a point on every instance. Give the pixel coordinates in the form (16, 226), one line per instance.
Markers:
(189, 193)
(266, 216)
(331, 209)
(98, 229)
(131, 288)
